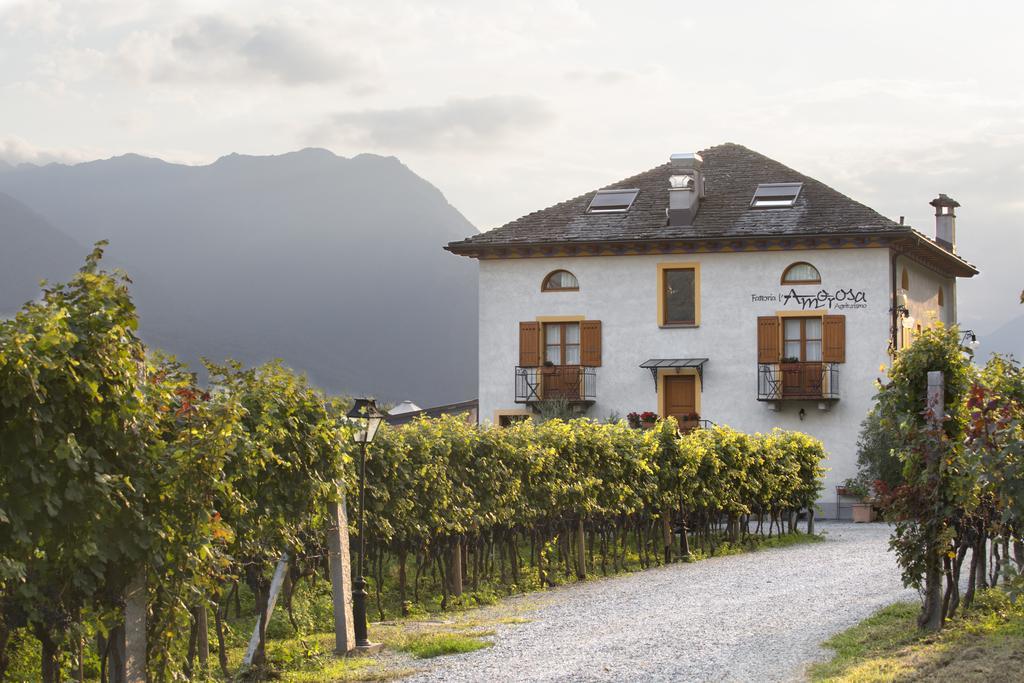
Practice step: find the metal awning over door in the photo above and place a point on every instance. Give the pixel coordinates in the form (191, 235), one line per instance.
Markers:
(656, 364)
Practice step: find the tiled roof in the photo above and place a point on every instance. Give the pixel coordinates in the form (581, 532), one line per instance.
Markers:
(460, 408)
(732, 173)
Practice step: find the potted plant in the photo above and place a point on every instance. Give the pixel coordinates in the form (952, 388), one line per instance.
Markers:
(634, 420)
(689, 422)
(648, 419)
(864, 508)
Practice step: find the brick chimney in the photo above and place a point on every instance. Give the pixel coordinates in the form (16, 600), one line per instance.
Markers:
(945, 221)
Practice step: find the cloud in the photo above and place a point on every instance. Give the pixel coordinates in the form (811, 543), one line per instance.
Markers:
(218, 49)
(600, 77)
(465, 122)
(14, 151)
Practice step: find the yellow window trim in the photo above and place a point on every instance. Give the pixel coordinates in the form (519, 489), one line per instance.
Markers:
(560, 318)
(679, 265)
(510, 412)
(698, 387)
(821, 312)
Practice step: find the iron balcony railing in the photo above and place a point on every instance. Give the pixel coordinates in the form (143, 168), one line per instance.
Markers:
(573, 383)
(807, 381)
(687, 426)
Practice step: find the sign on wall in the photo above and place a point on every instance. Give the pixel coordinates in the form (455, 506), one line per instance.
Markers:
(840, 299)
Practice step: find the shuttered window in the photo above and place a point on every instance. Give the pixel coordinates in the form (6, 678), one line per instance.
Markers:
(529, 344)
(590, 343)
(833, 335)
(560, 343)
(768, 350)
(812, 339)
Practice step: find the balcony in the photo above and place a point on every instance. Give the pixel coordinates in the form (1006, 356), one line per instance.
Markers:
(573, 383)
(798, 381)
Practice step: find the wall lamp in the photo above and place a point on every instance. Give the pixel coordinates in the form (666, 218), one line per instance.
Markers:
(969, 338)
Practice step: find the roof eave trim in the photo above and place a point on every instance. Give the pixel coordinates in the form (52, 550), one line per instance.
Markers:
(468, 248)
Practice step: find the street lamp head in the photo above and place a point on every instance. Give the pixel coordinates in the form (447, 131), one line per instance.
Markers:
(366, 412)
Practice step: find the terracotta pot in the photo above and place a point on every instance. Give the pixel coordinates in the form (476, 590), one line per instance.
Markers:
(863, 512)
(648, 425)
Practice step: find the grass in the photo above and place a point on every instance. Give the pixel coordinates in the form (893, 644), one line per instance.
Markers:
(754, 543)
(985, 644)
(429, 645)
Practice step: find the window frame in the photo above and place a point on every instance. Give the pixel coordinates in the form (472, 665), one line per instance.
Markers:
(783, 280)
(563, 344)
(803, 339)
(547, 278)
(520, 414)
(616, 209)
(662, 295)
(774, 200)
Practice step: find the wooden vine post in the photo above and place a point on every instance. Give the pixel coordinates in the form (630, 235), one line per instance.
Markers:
(581, 550)
(339, 560)
(133, 664)
(931, 613)
(666, 533)
(202, 638)
(455, 570)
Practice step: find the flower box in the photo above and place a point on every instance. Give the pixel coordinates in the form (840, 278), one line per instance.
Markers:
(863, 512)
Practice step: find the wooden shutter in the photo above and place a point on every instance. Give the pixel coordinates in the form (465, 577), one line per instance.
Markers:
(833, 339)
(590, 343)
(529, 345)
(768, 349)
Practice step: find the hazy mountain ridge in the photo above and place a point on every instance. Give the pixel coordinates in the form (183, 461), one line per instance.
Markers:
(32, 250)
(1007, 339)
(333, 264)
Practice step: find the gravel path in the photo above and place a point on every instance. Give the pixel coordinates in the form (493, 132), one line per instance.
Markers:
(754, 617)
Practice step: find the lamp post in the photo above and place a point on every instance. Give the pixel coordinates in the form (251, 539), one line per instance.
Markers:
(365, 411)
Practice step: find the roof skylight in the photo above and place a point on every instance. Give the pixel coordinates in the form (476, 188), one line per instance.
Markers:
(775, 195)
(612, 201)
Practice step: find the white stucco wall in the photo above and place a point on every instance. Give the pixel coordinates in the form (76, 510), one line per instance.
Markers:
(923, 295)
(621, 291)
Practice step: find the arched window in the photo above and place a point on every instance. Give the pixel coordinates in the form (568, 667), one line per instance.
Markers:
(801, 273)
(905, 281)
(560, 281)
(942, 297)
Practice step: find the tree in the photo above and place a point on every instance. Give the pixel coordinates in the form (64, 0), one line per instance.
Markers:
(877, 454)
(282, 471)
(75, 440)
(939, 480)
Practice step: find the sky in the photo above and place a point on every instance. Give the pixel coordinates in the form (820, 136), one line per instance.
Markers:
(511, 107)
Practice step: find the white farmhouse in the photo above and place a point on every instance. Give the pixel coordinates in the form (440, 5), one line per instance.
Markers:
(720, 286)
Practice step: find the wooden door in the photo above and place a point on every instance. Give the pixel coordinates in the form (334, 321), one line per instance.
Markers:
(561, 372)
(681, 398)
(801, 363)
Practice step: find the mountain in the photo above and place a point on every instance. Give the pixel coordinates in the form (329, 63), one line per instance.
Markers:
(32, 250)
(1007, 339)
(333, 264)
